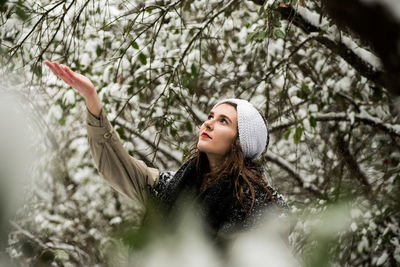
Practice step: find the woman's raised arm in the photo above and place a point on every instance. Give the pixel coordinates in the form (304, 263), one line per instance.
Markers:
(124, 173)
(80, 83)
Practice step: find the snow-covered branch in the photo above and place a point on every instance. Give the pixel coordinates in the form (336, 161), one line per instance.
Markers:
(362, 60)
(293, 172)
(376, 23)
(366, 63)
(75, 252)
(391, 129)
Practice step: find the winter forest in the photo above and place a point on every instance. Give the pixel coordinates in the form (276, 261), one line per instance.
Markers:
(325, 74)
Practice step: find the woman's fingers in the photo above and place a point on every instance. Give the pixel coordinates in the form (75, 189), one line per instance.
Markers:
(70, 79)
(76, 80)
(54, 68)
(71, 75)
(51, 66)
(58, 69)
(61, 73)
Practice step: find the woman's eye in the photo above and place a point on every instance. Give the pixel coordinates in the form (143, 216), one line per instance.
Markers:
(224, 121)
(210, 117)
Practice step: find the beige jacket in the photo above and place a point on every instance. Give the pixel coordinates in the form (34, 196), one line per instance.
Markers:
(124, 173)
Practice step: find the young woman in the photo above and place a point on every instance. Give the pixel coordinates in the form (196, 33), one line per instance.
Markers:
(220, 174)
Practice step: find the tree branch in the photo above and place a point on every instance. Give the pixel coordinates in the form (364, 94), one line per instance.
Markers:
(364, 68)
(374, 23)
(342, 149)
(272, 157)
(388, 128)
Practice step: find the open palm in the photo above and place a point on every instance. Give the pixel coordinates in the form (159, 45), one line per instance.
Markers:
(76, 80)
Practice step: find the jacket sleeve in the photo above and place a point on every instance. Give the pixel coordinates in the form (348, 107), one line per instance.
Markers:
(124, 173)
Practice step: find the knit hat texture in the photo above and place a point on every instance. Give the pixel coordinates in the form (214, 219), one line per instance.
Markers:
(253, 133)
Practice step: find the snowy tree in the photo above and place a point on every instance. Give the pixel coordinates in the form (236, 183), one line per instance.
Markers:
(323, 73)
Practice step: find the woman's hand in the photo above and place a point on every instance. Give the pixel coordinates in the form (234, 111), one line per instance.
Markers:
(80, 83)
(76, 80)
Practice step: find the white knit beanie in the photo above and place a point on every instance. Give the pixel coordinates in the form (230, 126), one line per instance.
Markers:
(253, 133)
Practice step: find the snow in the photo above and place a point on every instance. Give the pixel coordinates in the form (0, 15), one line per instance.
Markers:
(353, 226)
(69, 97)
(313, 108)
(333, 34)
(56, 111)
(364, 54)
(312, 17)
(363, 245)
(395, 242)
(381, 260)
(116, 220)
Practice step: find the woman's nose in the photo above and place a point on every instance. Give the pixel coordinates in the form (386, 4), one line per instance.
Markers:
(208, 124)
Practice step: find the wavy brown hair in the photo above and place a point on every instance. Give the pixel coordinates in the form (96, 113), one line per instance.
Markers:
(243, 173)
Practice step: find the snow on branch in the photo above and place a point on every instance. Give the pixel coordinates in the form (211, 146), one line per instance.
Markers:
(362, 60)
(293, 172)
(365, 118)
(332, 33)
(77, 254)
(376, 23)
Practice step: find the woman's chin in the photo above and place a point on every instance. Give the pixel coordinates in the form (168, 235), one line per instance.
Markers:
(202, 147)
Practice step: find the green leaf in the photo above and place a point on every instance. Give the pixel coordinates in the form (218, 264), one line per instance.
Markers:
(259, 36)
(287, 134)
(279, 34)
(189, 126)
(61, 255)
(121, 133)
(297, 134)
(277, 23)
(135, 45)
(304, 91)
(171, 99)
(62, 121)
(143, 59)
(130, 90)
(173, 131)
(250, 36)
(21, 13)
(313, 122)
(99, 50)
(194, 71)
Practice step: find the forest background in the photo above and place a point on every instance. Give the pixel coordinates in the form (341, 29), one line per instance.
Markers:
(326, 75)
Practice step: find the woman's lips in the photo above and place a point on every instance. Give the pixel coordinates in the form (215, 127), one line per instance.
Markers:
(205, 135)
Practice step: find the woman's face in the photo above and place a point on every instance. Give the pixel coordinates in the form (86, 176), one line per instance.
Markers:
(219, 131)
